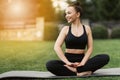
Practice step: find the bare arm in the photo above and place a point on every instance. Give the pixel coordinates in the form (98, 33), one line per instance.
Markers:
(89, 46)
(58, 45)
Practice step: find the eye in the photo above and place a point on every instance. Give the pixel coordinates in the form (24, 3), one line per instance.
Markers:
(68, 13)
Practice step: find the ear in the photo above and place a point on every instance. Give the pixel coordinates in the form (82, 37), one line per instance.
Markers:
(78, 14)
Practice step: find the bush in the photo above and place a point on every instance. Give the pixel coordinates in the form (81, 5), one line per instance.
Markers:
(115, 32)
(99, 32)
(50, 32)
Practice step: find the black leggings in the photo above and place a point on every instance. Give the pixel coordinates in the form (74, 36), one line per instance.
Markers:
(57, 66)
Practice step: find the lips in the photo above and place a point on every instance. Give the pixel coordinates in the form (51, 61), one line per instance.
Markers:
(68, 19)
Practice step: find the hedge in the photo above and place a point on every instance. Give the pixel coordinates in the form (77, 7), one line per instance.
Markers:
(99, 32)
(115, 33)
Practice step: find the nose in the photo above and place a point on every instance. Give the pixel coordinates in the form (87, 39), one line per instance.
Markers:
(66, 16)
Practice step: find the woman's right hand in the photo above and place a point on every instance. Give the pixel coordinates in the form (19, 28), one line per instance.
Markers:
(72, 64)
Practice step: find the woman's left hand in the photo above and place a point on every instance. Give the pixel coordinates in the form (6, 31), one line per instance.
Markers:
(80, 64)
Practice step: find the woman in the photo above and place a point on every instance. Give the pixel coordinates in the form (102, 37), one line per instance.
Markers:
(76, 60)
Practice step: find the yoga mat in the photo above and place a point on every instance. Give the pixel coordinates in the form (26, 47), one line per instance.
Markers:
(48, 75)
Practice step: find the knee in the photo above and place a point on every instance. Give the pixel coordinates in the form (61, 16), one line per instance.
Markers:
(49, 64)
(105, 58)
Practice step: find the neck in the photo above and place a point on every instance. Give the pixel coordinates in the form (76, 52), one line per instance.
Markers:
(77, 23)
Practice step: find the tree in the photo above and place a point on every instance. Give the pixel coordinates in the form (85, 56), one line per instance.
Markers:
(107, 9)
(99, 10)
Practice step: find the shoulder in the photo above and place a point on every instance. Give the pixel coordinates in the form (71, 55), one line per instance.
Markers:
(65, 29)
(88, 29)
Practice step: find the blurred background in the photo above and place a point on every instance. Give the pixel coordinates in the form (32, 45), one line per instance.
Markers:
(29, 28)
(43, 19)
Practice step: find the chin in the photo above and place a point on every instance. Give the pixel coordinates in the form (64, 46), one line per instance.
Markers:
(69, 21)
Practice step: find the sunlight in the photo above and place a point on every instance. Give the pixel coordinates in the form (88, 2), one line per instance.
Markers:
(61, 4)
(17, 8)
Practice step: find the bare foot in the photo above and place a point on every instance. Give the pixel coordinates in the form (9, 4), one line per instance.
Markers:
(86, 73)
(71, 68)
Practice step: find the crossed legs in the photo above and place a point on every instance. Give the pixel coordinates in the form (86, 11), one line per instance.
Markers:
(59, 68)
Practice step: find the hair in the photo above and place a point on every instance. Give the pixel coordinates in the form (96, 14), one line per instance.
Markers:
(77, 7)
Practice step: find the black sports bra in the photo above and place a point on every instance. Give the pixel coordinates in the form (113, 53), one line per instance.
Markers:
(73, 42)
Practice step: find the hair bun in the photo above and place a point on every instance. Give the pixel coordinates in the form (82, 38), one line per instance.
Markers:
(77, 3)
(77, 7)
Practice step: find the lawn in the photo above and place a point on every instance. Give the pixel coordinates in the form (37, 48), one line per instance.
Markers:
(32, 55)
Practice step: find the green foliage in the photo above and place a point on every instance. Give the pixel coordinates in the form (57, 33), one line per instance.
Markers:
(100, 32)
(115, 32)
(51, 32)
(99, 10)
(106, 9)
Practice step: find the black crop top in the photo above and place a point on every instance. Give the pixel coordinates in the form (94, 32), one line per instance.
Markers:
(73, 42)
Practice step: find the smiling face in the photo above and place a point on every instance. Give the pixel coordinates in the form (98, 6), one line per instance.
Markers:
(71, 14)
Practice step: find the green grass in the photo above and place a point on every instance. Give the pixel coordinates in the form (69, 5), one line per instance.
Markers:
(21, 55)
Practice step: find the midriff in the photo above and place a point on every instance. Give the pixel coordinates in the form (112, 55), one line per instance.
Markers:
(76, 51)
